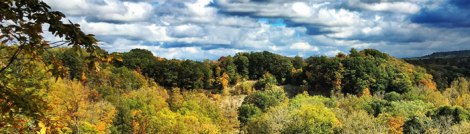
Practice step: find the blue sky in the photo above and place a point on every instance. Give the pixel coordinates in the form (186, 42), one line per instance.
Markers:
(199, 29)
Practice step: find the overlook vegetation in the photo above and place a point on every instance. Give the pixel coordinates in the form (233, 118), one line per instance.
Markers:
(445, 66)
(258, 92)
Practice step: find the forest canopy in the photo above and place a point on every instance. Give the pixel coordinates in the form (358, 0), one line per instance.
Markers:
(255, 92)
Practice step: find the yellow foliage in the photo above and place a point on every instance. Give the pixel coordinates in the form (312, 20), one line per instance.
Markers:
(365, 92)
(43, 128)
(463, 100)
(223, 80)
(72, 105)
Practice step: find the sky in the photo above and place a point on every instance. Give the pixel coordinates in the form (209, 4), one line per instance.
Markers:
(208, 29)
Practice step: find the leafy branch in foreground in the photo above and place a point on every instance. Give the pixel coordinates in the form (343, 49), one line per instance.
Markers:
(22, 23)
(23, 42)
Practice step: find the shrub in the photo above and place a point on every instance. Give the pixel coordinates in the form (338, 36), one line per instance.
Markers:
(392, 96)
(266, 81)
(247, 111)
(312, 119)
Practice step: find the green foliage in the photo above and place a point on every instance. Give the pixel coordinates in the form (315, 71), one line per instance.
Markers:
(22, 91)
(266, 81)
(137, 59)
(377, 107)
(113, 81)
(392, 96)
(368, 69)
(136, 108)
(248, 111)
(415, 125)
(266, 99)
(275, 120)
(304, 114)
(246, 88)
(312, 119)
(228, 66)
(324, 74)
(243, 63)
(263, 62)
(298, 62)
(359, 122)
(381, 95)
(408, 108)
(457, 114)
(444, 70)
(352, 103)
(302, 99)
(74, 62)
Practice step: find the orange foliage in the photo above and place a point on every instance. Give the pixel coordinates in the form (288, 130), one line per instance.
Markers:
(396, 125)
(365, 92)
(223, 80)
(83, 79)
(429, 84)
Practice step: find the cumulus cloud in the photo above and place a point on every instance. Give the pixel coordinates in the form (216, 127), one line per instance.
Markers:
(104, 10)
(407, 7)
(303, 46)
(198, 29)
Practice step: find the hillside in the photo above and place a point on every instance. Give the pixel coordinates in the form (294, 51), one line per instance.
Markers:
(450, 54)
(445, 66)
(257, 92)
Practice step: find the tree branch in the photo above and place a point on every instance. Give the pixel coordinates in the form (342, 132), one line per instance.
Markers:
(12, 58)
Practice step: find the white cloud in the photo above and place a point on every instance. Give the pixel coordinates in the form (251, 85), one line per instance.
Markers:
(106, 10)
(400, 7)
(150, 32)
(332, 53)
(195, 29)
(304, 46)
(187, 30)
(302, 9)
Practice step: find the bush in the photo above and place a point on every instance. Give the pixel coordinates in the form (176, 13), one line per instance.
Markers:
(243, 88)
(415, 125)
(408, 108)
(273, 121)
(266, 81)
(247, 111)
(392, 96)
(359, 122)
(312, 119)
(266, 99)
(302, 99)
(457, 113)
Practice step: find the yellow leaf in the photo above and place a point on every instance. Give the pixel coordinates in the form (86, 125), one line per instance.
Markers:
(43, 128)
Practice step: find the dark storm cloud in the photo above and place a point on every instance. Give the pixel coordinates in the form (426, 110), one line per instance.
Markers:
(455, 13)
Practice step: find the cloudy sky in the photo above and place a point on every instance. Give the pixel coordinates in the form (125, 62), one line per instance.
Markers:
(199, 29)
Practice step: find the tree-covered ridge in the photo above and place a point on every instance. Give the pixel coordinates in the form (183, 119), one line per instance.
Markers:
(445, 66)
(451, 54)
(364, 70)
(257, 92)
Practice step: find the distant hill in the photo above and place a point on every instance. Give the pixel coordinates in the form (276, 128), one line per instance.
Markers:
(450, 54)
(445, 66)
